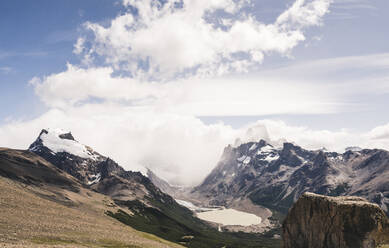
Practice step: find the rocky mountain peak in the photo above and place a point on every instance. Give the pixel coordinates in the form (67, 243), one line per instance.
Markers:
(68, 136)
(276, 177)
(287, 146)
(353, 149)
(91, 168)
(321, 158)
(61, 149)
(64, 151)
(262, 143)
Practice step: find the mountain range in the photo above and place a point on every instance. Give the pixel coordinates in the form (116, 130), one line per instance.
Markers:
(275, 177)
(130, 197)
(254, 177)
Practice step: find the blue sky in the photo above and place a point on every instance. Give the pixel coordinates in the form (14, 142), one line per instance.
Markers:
(38, 38)
(315, 72)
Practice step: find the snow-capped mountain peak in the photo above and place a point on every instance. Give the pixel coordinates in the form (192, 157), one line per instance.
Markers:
(58, 140)
(61, 149)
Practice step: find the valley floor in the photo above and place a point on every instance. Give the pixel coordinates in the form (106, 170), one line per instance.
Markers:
(35, 217)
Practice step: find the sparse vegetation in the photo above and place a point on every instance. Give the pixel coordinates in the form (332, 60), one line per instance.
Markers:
(29, 220)
(176, 223)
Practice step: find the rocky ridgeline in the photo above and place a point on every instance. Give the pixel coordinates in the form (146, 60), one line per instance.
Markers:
(275, 177)
(337, 222)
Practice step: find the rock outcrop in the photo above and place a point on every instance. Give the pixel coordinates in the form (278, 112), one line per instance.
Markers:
(335, 222)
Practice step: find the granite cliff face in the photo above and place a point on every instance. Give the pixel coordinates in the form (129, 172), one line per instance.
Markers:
(337, 222)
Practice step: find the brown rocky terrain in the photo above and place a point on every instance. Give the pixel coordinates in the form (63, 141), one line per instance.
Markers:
(337, 222)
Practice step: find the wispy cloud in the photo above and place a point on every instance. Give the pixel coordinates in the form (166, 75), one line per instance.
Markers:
(9, 54)
(354, 4)
(350, 9)
(62, 36)
(5, 69)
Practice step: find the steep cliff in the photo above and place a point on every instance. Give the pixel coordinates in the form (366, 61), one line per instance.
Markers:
(337, 222)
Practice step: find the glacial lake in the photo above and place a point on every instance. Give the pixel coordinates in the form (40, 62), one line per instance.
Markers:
(230, 217)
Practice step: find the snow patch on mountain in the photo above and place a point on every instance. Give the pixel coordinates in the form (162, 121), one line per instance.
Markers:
(265, 149)
(242, 158)
(52, 140)
(247, 160)
(140, 168)
(95, 179)
(253, 147)
(269, 158)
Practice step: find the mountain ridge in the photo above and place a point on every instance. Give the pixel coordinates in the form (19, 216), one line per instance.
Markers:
(276, 177)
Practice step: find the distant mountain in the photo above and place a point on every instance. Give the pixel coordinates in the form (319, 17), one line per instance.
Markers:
(275, 177)
(176, 192)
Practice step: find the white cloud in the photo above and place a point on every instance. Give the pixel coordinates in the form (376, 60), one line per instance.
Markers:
(314, 87)
(379, 133)
(200, 36)
(199, 97)
(79, 46)
(179, 148)
(279, 132)
(304, 13)
(76, 85)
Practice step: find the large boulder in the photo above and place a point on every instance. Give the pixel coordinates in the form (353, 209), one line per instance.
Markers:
(334, 222)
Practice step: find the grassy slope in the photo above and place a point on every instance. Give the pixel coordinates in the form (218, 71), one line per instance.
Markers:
(35, 213)
(27, 219)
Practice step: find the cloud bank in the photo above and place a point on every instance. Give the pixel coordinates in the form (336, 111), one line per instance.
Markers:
(145, 76)
(179, 148)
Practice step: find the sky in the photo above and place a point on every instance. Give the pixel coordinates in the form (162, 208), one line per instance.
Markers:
(167, 84)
